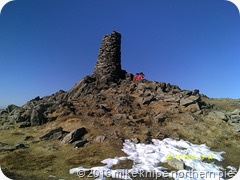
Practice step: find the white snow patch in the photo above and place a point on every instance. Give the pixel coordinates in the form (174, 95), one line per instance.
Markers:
(146, 157)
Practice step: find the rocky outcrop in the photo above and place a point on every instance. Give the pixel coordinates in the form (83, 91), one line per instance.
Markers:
(232, 118)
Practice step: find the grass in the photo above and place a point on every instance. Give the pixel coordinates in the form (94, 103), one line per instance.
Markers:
(45, 158)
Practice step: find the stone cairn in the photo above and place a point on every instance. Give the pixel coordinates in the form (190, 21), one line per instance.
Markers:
(108, 66)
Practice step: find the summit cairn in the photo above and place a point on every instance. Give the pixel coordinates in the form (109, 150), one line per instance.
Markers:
(108, 66)
(107, 69)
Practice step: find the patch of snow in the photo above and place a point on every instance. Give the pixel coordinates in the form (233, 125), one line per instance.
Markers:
(146, 158)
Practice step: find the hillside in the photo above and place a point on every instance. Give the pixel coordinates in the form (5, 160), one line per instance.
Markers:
(49, 135)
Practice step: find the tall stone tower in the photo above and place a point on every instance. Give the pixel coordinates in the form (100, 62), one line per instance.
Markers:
(108, 66)
(106, 71)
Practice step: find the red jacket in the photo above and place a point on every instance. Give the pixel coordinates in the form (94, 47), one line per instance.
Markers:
(141, 76)
(135, 77)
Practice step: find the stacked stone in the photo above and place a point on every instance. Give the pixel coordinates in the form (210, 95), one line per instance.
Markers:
(108, 66)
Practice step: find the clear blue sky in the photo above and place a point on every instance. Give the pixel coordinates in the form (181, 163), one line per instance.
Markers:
(48, 45)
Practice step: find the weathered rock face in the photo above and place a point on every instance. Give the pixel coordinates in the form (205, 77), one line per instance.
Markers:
(108, 66)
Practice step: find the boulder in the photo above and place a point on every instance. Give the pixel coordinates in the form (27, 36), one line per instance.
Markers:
(100, 138)
(74, 135)
(80, 143)
(160, 118)
(11, 107)
(189, 100)
(218, 115)
(177, 164)
(193, 108)
(54, 134)
(171, 98)
(147, 100)
(159, 90)
(235, 112)
(235, 118)
(24, 124)
(8, 148)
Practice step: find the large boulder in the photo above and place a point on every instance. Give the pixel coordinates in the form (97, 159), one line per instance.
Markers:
(189, 100)
(11, 107)
(56, 133)
(75, 135)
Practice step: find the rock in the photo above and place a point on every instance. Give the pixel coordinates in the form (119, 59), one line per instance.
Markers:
(79, 143)
(198, 112)
(218, 115)
(124, 100)
(74, 135)
(7, 126)
(105, 107)
(189, 100)
(142, 86)
(24, 124)
(237, 127)
(175, 136)
(28, 138)
(54, 134)
(189, 117)
(162, 86)
(132, 87)
(100, 112)
(187, 93)
(161, 136)
(6, 147)
(171, 98)
(177, 164)
(159, 90)
(37, 116)
(21, 146)
(147, 100)
(3, 144)
(81, 88)
(221, 115)
(51, 176)
(160, 118)
(235, 112)
(140, 120)
(148, 92)
(195, 92)
(100, 139)
(11, 107)
(135, 140)
(50, 147)
(235, 118)
(119, 116)
(90, 113)
(3, 114)
(193, 108)
(15, 114)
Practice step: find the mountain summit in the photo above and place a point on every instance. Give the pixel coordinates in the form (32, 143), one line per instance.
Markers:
(107, 107)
